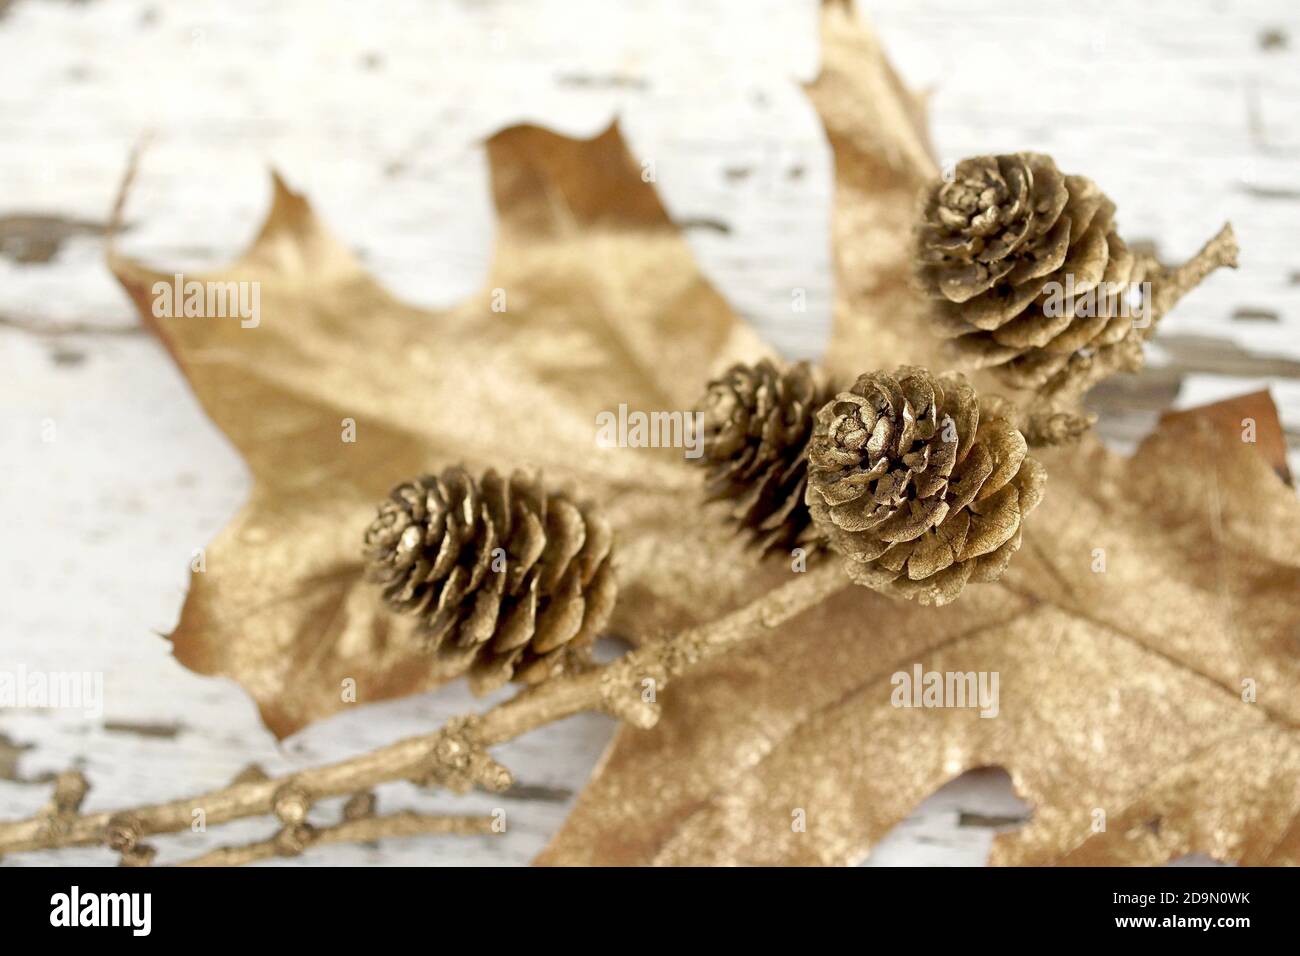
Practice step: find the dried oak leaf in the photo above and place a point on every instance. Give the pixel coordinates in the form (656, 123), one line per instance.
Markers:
(604, 306)
(1120, 691)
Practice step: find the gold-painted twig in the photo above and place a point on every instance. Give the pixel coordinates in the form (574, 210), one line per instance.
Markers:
(1168, 285)
(454, 756)
(1054, 416)
(297, 839)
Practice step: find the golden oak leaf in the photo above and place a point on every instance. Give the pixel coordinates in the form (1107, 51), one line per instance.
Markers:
(1120, 691)
(604, 306)
(1159, 691)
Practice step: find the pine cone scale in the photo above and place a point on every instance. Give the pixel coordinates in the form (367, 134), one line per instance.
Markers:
(1046, 258)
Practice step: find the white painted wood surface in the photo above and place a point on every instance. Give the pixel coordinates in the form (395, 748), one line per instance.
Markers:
(1187, 113)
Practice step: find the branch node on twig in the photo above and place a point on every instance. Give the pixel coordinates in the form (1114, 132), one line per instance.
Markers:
(70, 789)
(630, 709)
(291, 804)
(122, 832)
(622, 698)
(360, 806)
(250, 774)
(458, 761)
(293, 838)
(490, 775)
(141, 854)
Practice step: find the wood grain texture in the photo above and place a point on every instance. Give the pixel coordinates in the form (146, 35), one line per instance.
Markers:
(1187, 114)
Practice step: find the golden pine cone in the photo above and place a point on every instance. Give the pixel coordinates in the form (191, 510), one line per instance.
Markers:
(995, 246)
(914, 490)
(501, 572)
(757, 422)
